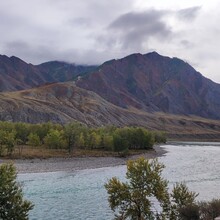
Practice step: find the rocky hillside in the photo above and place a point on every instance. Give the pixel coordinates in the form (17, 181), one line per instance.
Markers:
(157, 92)
(155, 83)
(65, 102)
(15, 74)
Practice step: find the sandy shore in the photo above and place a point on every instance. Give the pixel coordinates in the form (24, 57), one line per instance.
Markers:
(76, 163)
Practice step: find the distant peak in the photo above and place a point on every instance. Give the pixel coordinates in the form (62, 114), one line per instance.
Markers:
(109, 61)
(153, 53)
(12, 59)
(4, 57)
(134, 55)
(55, 62)
(15, 58)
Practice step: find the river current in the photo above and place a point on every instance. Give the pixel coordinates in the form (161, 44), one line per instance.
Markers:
(81, 195)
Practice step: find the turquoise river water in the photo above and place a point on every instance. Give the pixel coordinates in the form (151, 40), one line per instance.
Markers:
(81, 195)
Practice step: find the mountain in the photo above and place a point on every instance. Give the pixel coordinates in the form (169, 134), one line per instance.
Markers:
(155, 83)
(65, 102)
(150, 90)
(62, 71)
(15, 74)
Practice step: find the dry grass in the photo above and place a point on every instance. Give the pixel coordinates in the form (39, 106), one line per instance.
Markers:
(28, 152)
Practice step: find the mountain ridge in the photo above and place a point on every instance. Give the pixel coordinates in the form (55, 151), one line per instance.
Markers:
(65, 102)
(16, 74)
(154, 83)
(150, 90)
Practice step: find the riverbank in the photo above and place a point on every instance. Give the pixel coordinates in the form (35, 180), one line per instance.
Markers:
(76, 163)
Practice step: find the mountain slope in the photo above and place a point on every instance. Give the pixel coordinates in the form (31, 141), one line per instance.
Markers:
(15, 74)
(62, 72)
(157, 92)
(65, 102)
(155, 83)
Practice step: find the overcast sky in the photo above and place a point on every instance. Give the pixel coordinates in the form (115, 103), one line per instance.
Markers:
(93, 31)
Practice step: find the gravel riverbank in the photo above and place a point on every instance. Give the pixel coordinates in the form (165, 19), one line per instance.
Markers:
(76, 163)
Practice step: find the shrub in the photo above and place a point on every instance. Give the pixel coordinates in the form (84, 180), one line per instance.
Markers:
(12, 204)
(133, 199)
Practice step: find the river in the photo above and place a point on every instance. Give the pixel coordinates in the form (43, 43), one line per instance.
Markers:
(81, 195)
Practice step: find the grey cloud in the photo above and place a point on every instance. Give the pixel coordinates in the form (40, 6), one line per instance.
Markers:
(81, 21)
(132, 19)
(8, 21)
(133, 29)
(29, 52)
(186, 44)
(188, 14)
(43, 30)
(17, 48)
(42, 53)
(16, 45)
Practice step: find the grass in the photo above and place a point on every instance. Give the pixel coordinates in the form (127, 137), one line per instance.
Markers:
(29, 152)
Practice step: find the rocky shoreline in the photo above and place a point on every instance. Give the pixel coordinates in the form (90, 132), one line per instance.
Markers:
(76, 163)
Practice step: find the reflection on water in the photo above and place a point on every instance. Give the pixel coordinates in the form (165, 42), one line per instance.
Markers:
(81, 195)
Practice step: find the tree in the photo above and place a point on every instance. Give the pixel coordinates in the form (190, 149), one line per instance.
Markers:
(71, 133)
(10, 142)
(12, 204)
(7, 141)
(133, 199)
(2, 141)
(40, 129)
(95, 140)
(33, 140)
(120, 143)
(6, 126)
(80, 142)
(22, 131)
(107, 142)
(54, 139)
(210, 209)
(182, 198)
(201, 210)
(141, 138)
(160, 137)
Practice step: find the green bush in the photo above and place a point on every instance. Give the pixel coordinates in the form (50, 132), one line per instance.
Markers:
(34, 140)
(54, 139)
(12, 204)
